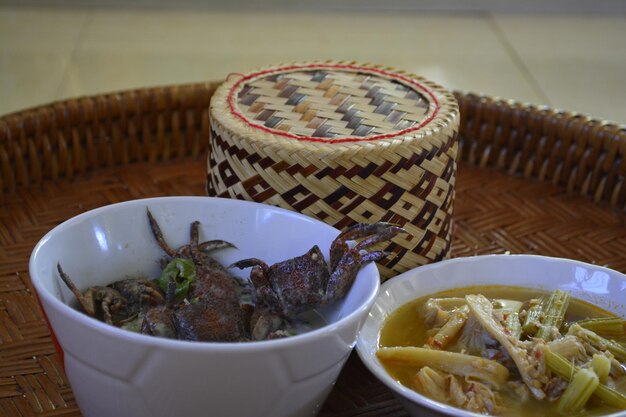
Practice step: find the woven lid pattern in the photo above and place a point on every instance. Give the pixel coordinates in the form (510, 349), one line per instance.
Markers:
(332, 104)
(266, 148)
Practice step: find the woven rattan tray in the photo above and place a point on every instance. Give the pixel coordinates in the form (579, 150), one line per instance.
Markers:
(530, 180)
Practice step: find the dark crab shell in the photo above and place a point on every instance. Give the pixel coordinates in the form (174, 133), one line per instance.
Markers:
(300, 282)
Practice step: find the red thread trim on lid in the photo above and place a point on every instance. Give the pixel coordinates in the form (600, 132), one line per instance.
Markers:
(231, 102)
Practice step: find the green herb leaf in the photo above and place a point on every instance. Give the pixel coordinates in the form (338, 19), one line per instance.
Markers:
(183, 272)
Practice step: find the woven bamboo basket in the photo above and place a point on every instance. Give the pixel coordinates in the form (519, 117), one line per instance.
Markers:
(345, 143)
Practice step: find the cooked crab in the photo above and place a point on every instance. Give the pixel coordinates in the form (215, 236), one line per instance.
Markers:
(116, 302)
(212, 304)
(213, 312)
(305, 282)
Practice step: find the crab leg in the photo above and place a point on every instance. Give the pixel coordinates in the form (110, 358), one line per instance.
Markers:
(374, 233)
(109, 298)
(171, 292)
(159, 320)
(211, 245)
(158, 235)
(250, 262)
(87, 308)
(194, 234)
(194, 244)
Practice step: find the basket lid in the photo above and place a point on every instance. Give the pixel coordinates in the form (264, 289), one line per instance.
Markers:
(330, 102)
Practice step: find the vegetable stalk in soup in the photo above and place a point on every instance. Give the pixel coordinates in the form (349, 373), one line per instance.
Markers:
(509, 351)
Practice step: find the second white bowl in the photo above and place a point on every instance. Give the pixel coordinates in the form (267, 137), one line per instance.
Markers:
(603, 287)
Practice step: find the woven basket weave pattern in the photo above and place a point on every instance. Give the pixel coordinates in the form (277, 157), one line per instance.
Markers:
(68, 139)
(405, 179)
(332, 104)
(423, 207)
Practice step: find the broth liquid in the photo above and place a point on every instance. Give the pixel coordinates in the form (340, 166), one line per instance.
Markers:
(404, 327)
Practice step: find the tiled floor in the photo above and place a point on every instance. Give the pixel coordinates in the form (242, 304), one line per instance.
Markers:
(570, 62)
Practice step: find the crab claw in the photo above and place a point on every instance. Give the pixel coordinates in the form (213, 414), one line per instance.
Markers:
(200, 253)
(346, 261)
(249, 262)
(265, 316)
(374, 233)
(265, 296)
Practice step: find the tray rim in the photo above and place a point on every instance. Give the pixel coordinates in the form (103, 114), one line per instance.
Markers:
(582, 154)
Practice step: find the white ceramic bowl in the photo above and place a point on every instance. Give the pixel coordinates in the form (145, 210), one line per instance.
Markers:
(114, 372)
(601, 286)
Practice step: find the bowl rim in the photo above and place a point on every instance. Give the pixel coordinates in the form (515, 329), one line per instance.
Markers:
(185, 345)
(406, 394)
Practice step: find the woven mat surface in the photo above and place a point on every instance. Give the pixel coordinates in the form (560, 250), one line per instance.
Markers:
(494, 213)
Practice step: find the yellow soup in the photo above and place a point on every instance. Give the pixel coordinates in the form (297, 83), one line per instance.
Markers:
(406, 327)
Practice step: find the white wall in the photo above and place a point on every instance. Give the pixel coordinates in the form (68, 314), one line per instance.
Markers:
(503, 6)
